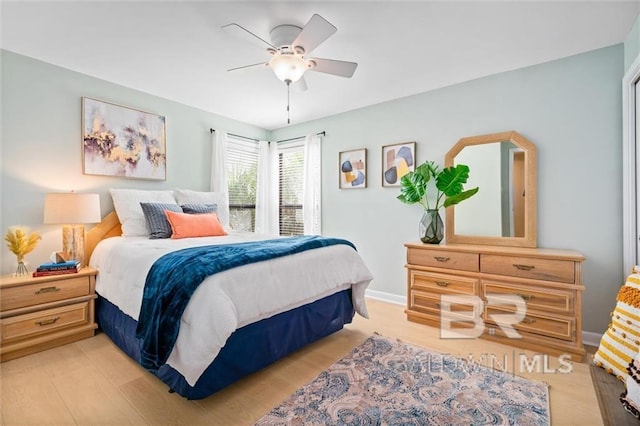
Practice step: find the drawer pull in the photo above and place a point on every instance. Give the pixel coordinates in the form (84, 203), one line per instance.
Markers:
(442, 283)
(437, 305)
(48, 321)
(441, 258)
(51, 289)
(528, 321)
(525, 296)
(523, 267)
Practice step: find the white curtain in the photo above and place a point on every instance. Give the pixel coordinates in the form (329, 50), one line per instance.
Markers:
(267, 192)
(218, 181)
(312, 188)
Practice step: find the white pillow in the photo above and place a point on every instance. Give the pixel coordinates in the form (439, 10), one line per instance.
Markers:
(187, 196)
(127, 205)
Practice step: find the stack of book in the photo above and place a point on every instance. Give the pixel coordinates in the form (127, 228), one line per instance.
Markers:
(52, 268)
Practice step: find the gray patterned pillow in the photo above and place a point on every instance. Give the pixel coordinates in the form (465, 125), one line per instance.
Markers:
(199, 208)
(156, 220)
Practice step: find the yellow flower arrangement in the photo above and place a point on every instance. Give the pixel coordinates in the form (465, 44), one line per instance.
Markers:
(19, 243)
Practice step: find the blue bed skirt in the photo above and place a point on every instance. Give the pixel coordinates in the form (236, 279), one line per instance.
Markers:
(248, 349)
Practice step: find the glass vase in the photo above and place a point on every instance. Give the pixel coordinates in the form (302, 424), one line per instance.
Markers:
(21, 270)
(431, 227)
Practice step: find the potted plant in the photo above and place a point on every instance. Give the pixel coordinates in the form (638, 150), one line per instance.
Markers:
(446, 190)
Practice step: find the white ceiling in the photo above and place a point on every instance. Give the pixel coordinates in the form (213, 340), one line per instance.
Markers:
(177, 49)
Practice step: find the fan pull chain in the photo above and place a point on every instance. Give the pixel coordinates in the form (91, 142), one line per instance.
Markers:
(288, 102)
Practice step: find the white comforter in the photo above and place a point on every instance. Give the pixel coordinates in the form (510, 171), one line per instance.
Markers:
(231, 299)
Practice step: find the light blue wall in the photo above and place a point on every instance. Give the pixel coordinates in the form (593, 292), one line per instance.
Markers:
(632, 45)
(41, 148)
(571, 110)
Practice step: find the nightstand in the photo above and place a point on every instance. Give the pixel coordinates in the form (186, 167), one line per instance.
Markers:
(39, 313)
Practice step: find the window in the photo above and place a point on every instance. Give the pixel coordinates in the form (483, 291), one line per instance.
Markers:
(290, 167)
(242, 176)
(242, 172)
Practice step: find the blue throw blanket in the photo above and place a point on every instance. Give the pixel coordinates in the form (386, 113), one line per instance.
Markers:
(174, 277)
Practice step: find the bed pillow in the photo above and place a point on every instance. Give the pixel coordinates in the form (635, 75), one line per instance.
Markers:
(184, 225)
(157, 223)
(188, 196)
(199, 208)
(127, 205)
(620, 343)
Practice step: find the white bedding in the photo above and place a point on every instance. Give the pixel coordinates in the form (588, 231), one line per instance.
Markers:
(230, 299)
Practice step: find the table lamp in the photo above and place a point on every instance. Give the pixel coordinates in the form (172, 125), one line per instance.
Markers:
(73, 210)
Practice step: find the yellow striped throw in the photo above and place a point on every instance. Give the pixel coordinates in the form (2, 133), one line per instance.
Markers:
(620, 343)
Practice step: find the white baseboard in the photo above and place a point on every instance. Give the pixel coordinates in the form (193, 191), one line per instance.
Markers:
(588, 337)
(386, 297)
(591, 339)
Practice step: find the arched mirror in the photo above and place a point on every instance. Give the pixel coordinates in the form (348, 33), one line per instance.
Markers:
(503, 212)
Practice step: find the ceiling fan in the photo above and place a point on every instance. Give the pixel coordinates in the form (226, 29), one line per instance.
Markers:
(288, 49)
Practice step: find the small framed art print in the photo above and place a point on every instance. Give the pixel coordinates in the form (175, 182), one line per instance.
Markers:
(397, 160)
(352, 167)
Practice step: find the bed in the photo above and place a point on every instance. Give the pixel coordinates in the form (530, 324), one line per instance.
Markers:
(238, 320)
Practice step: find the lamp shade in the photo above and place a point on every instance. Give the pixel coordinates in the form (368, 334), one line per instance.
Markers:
(288, 67)
(71, 208)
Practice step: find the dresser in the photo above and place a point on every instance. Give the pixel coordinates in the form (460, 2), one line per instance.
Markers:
(548, 281)
(38, 313)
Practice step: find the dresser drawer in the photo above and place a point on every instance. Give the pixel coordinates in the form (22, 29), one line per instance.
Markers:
(544, 299)
(444, 259)
(43, 292)
(549, 326)
(46, 321)
(443, 283)
(430, 304)
(528, 267)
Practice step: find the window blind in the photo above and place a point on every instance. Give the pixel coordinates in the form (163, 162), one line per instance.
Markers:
(291, 163)
(242, 175)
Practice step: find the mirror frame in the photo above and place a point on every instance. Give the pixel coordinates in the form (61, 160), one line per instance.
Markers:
(531, 207)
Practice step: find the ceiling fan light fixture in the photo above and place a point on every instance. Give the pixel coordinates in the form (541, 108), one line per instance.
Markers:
(289, 68)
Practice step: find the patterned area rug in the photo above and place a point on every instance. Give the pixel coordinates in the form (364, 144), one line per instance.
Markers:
(388, 382)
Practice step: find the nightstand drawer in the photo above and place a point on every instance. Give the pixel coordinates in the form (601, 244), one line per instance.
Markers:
(43, 292)
(46, 321)
(443, 283)
(527, 267)
(544, 299)
(443, 259)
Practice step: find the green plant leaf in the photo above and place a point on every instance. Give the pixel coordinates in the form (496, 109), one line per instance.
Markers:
(455, 199)
(412, 188)
(451, 179)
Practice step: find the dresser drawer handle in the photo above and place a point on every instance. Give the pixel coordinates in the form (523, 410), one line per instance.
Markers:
(48, 321)
(441, 258)
(437, 305)
(51, 289)
(525, 296)
(442, 283)
(528, 321)
(523, 267)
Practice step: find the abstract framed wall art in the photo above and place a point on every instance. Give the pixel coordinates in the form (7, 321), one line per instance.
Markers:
(121, 141)
(353, 169)
(397, 160)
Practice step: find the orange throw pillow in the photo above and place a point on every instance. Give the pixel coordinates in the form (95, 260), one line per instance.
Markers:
(185, 225)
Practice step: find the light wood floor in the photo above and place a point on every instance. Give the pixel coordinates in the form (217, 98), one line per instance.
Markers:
(93, 382)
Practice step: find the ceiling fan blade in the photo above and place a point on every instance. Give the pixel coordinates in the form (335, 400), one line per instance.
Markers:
(332, 66)
(245, 67)
(300, 85)
(314, 33)
(244, 34)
